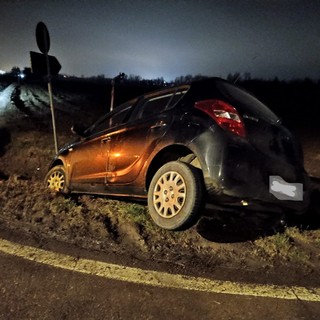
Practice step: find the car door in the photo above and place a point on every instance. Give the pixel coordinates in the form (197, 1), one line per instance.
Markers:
(133, 143)
(90, 157)
(89, 161)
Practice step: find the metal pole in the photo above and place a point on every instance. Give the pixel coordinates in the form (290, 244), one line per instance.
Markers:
(53, 117)
(112, 95)
(51, 106)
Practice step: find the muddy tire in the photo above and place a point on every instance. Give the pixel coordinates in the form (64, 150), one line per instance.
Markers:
(175, 196)
(56, 180)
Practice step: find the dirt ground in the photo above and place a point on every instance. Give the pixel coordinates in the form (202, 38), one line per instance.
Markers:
(230, 246)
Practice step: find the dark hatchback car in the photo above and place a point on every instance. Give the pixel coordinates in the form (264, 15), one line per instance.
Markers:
(207, 142)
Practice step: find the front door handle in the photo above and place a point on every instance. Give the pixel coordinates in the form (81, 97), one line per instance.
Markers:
(105, 140)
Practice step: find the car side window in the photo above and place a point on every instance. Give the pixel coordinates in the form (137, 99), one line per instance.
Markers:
(177, 97)
(111, 120)
(154, 106)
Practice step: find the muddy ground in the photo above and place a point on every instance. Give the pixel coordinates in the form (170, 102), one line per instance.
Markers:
(228, 246)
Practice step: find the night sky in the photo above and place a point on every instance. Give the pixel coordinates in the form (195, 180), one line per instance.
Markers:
(167, 38)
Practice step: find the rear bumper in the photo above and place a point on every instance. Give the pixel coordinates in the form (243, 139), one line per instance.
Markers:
(242, 178)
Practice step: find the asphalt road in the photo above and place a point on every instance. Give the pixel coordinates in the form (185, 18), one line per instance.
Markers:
(33, 290)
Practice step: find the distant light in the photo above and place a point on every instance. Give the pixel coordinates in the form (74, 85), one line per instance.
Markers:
(21, 75)
(2, 72)
(244, 203)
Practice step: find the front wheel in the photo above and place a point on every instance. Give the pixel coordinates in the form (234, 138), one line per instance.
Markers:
(56, 179)
(175, 196)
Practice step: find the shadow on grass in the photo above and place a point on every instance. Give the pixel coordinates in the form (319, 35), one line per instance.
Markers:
(310, 220)
(15, 98)
(5, 139)
(229, 227)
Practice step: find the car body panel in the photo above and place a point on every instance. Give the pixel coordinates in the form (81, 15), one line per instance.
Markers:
(140, 136)
(132, 146)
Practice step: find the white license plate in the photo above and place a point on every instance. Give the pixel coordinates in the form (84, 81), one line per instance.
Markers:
(283, 190)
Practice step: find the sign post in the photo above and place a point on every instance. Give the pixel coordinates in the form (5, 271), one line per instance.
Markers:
(120, 76)
(43, 42)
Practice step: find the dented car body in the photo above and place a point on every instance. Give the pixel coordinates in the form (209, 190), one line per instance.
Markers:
(209, 141)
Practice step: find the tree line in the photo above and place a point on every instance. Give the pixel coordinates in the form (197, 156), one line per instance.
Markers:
(293, 100)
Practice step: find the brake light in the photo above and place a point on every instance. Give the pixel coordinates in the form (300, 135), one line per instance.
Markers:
(224, 114)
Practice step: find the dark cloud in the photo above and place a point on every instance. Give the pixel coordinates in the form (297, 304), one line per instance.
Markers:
(168, 38)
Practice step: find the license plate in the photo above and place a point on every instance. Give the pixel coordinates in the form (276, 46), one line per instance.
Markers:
(283, 190)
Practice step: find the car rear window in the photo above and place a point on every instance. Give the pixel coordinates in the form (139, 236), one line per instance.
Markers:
(247, 103)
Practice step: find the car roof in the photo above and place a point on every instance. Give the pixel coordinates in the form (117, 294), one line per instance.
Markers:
(163, 91)
(160, 92)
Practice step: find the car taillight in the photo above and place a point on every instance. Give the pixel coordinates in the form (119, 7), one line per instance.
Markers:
(224, 114)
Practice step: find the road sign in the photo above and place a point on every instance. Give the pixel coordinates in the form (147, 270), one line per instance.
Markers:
(43, 64)
(42, 37)
(39, 64)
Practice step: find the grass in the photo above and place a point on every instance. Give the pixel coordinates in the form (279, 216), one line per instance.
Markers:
(95, 222)
(287, 246)
(138, 213)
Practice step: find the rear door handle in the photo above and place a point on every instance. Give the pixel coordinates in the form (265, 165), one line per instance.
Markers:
(159, 124)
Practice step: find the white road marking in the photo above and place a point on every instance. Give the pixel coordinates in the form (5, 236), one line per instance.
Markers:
(156, 278)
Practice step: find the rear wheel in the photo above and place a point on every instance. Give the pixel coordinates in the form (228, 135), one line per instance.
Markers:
(175, 196)
(56, 179)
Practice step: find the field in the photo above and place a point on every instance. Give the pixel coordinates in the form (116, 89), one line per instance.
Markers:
(222, 244)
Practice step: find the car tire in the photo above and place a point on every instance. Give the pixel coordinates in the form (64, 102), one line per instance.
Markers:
(56, 179)
(175, 196)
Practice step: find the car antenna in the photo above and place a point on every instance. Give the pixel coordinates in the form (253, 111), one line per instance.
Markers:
(237, 78)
